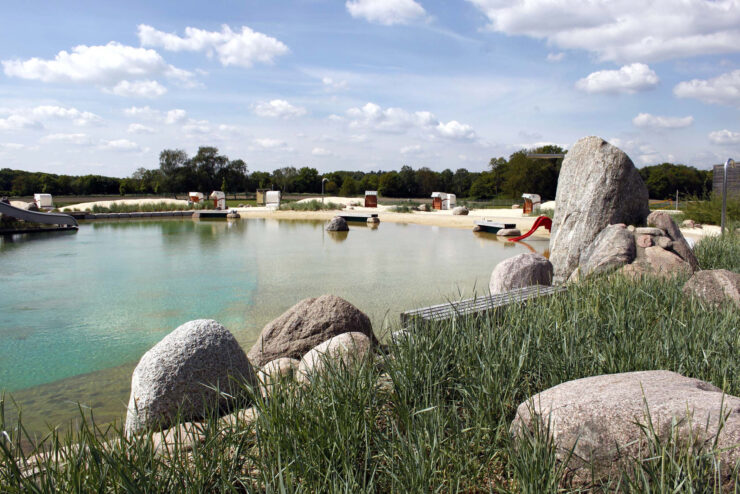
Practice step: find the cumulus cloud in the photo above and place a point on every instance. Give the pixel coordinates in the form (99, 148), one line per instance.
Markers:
(120, 145)
(721, 90)
(74, 138)
(197, 127)
(137, 128)
(321, 152)
(413, 149)
(34, 118)
(724, 137)
(386, 12)
(267, 143)
(333, 84)
(657, 122)
(555, 57)
(242, 49)
(278, 108)
(398, 120)
(19, 122)
(629, 79)
(113, 66)
(175, 116)
(622, 30)
(138, 89)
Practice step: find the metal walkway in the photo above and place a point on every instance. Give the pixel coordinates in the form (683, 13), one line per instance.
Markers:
(37, 216)
(478, 305)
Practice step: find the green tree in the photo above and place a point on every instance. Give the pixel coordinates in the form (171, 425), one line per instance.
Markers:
(307, 180)
(389, 185)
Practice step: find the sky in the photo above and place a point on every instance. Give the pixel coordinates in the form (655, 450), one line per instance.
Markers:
(102, 87)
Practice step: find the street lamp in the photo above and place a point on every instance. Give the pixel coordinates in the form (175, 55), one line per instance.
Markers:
(731, 164)
(323, 181)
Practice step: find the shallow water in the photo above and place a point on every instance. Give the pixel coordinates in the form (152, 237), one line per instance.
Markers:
(78, 310)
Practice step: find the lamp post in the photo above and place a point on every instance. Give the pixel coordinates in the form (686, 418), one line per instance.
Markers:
(323, 181)
(729, 163)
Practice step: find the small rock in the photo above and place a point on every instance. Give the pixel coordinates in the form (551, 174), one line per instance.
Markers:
(241, 418)
(477, 228)
(519, 272)
(663, 220)
(460, 211)
(688, 224)
(423, 207)
(663, 242)
(716, 286)
(384, 384)
(644, 241)
(233, 215)
(649, 230)
(373, 219)
(346, 348)
(599, 416)
(515, 206)
(182, 438)
(509, 232)
(631, 228)
(176, 373)
(273, 371)
(305, 325)
(337, 224)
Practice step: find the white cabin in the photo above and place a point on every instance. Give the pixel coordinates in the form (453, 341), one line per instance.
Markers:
(43, 201)
(219, 199)
(272, 199)
(196, 197)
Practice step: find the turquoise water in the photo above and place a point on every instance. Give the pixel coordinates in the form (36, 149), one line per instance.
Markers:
(73, 306)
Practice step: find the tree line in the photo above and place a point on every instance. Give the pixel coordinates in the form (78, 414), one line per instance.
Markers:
(210, 170)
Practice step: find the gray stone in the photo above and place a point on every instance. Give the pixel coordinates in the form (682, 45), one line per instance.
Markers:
(477, 228)
(599, 415)
(716, 286)
(423, 207)
(658, 262)
(663, 220)
(460, 211)
(509, 232)
(688, 224)
(344, 349)
(598, 186)
(307, 324)
(176, 374)
(240, 419)
(373, 219)
(644, 241)
(337, 224)
(663, 242)
(180, 438)
(519, 272)
(649, 230)
(612, 248)
(274, 371)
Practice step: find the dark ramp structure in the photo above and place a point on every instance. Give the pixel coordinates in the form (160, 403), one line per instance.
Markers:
(58, 219)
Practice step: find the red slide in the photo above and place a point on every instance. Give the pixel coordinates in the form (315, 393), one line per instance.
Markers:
(540, 221)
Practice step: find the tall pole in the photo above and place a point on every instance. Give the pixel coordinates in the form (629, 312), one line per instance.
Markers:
(729, 163)
(323, 181)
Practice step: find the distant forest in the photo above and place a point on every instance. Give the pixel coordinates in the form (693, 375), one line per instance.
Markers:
(208, 170)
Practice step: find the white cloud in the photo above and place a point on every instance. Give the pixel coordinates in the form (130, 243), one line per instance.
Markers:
(386, 12)
(398, 120)
(332, 84)
(142, 112)
(242, 49)
(104, 65)
(724, 137)
(278, 108)
(175, 116)
(657, 122)
(555, 57)
(321, 152)
(628, 79)
(622, 30)
(138, 89)
(34, 118)
(76, 138)
(722, 90)
(12, 145)
(413, 149)
(197, 127)
(271, 144)
(137, 128)
(120, 145)
(19, 122)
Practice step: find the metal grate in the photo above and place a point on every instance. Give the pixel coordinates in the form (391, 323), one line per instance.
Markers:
(478, 305)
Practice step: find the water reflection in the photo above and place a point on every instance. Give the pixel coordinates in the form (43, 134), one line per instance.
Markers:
(338, 237)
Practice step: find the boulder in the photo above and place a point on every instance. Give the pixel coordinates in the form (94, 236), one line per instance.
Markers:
(337, 224)
(373, 219)
(658, 262)
(423, 207)
(460, 211)
(598, 186)
(644, 241)
(180, 438)
(663, 220)
(611, 249)
(477, 228)
(688, 224)
(509, 232)
(649, 230)
(273, 371)
(716, 286)
(599, 415)
(519, 272)
(345, 349)
(176, 374)
(663, 242)
(241, 418)
(308, 323)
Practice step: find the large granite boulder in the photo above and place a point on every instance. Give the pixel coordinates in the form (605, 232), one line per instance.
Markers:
(600, 416)
(520, 271)
(308, 323)
(663, 220)
(611, 249)
(345, 349)
(337, 224)
(598, 186)
(178, 372)
(716, 286)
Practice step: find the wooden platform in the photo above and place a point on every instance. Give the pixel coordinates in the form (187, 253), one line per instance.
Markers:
(478, 305)
(358, 216)
(491, 227)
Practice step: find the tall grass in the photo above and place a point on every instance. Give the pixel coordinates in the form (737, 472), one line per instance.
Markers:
(312, 205)
(118, 207)
(440, 423)
(710, 211)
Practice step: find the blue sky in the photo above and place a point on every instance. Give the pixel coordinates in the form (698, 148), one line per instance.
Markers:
(103, 87)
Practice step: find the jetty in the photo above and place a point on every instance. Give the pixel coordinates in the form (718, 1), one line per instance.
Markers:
(357, 217)
(56, 221)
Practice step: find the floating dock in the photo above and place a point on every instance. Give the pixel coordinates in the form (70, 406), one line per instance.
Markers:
(491, 227)
(360, 217)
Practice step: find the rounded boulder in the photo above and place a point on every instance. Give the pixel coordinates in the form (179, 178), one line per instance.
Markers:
(521, 271)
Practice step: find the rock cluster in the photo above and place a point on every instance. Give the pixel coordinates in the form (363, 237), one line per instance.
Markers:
(716, 286)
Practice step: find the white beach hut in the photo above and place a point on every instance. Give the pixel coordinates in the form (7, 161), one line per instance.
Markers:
(532, 202)
(219, 199)
(196, 197)
(272, 199)
(437, 198)
(43, 201)
(449, 202)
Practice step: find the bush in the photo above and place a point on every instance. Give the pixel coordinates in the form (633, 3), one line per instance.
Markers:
(312, 205)
(710, 212)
